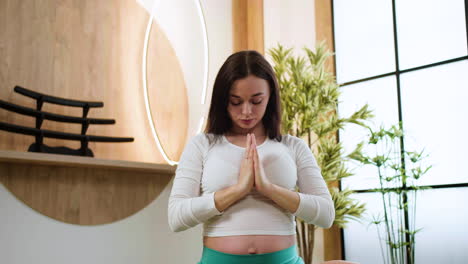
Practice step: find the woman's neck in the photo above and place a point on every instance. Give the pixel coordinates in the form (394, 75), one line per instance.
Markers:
(258, 131)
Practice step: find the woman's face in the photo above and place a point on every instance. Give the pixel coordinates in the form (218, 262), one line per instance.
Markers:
(248, 99)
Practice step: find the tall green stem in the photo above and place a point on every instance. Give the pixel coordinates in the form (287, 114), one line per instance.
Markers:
(392, 257)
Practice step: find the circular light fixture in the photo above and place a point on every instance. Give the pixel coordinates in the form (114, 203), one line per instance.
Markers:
(145, 81)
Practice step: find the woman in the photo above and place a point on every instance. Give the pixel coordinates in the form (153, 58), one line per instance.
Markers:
(239, 177)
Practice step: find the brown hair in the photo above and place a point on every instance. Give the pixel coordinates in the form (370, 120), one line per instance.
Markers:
(238, 66)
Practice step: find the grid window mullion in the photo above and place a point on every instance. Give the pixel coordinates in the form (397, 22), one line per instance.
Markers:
(399, 72)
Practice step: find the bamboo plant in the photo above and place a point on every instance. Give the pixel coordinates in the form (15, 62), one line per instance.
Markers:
(398, 172)
(309, 97)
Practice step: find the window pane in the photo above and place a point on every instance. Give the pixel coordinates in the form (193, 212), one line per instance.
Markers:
(361, 239)
(444, 234)
(435, 108)
(444, 223)
(430, 31)
(381, 95)
(363, 38)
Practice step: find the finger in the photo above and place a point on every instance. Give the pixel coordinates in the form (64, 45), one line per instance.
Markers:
(255, 157)
(252, 149)
(254, 140)
(248, 154)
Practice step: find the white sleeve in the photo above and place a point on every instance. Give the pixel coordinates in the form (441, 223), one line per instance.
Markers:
(186, 208)
(316, 206)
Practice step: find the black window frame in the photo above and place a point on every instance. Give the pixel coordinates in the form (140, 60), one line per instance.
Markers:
(397, 74)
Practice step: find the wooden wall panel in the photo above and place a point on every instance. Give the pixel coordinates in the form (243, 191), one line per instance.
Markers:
(84, 196)
(91, 50)
(166, 86)
(324, 32)
(247, 23)
(324, 28)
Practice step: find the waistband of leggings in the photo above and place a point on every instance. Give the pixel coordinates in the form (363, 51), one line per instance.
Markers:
(281, 256)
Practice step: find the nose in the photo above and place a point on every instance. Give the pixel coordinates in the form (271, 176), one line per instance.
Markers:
(246, 109)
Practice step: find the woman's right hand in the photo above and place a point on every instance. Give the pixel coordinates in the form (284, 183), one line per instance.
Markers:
(226, 197)
(246, 174)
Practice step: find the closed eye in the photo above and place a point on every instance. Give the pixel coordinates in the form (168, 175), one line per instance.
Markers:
(253, 102)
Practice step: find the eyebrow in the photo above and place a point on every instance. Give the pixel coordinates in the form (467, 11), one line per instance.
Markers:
(236, 96)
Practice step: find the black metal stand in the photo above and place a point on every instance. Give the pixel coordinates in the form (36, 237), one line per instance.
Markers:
(40, 116)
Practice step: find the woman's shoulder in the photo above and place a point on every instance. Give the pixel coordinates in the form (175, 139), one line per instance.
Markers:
(291, 141)
(298, 147)
(204, 140)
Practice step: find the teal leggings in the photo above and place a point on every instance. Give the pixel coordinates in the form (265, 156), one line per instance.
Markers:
(285, 256)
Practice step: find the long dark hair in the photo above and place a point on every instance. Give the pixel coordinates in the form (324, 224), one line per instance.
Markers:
(238, 66)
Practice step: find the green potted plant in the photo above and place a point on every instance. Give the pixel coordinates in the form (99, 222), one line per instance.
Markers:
(309, 97)
(398, 172)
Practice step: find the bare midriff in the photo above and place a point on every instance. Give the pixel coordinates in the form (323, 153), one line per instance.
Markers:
(250, 244)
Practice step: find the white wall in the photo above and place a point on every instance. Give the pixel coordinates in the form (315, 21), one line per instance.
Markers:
(219, 23)
(290, 23)
(29, 237)
(182, 24)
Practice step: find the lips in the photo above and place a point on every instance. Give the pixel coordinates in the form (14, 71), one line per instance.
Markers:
(246, 121)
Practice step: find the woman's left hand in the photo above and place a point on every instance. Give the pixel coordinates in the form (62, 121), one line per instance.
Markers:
(262, 184)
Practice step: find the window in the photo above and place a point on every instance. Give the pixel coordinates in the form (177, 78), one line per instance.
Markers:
(409, 61)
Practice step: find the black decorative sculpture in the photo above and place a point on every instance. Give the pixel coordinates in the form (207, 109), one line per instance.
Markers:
(40, 116)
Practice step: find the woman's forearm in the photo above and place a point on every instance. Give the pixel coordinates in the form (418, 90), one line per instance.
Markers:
(315, 209)
(283, 197)
(226, 197)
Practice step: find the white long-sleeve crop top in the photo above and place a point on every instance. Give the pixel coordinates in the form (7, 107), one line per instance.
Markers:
(205, 168)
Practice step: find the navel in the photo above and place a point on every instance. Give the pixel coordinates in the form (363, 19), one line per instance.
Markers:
(252, 250)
